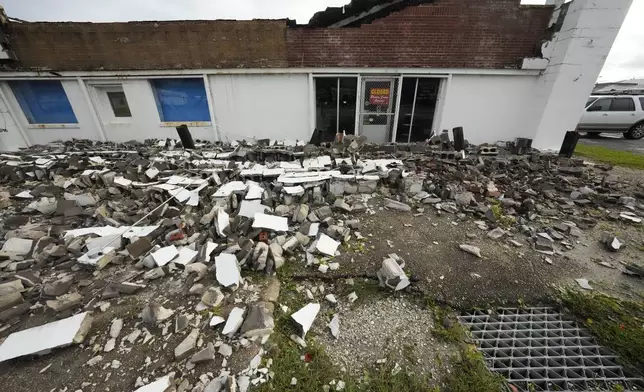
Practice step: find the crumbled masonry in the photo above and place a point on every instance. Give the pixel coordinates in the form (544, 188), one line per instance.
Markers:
(194, 238)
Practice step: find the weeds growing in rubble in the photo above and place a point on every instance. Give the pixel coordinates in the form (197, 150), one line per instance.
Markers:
(616, 323)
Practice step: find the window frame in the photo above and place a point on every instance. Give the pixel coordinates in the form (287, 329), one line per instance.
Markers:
(174, 123)
(27, 112)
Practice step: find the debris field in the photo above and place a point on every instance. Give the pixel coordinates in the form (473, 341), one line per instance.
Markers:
(159, 265)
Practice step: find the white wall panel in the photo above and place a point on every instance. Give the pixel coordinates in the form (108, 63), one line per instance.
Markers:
(262, 106)
(492, 108)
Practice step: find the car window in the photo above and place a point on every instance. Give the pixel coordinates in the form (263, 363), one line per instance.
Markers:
(591, 100)
(601, 105)
(642, 102)
(622, 105)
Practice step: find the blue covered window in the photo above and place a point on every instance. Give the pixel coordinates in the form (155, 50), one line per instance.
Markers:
(181, 99)
(43, 101)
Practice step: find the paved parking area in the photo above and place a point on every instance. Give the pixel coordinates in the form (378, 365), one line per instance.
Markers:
(615, 141)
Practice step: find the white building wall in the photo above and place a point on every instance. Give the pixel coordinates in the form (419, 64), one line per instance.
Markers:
(262, 106)
(145, 122)
(491, 107)
(10, 137)
(576, 57)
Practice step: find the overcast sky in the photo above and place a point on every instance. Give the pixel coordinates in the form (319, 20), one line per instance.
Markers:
(626, 59)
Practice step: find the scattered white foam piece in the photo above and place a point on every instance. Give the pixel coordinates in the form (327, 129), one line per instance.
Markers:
(227, 270)
(254, 191)
(25, 195)
(165, 255)
(327, 245)
(46, 337)
(306, 316)
(152, 172)
(186, 256)
(223, 221)
(163, 384)
(230, 187)
(181, 194)
(216, 320)
(275, 223)
(249, 208)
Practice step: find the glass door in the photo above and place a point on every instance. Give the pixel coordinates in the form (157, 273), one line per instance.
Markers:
(378, 108)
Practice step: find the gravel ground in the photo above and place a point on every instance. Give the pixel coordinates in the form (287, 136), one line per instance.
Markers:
(395, 328)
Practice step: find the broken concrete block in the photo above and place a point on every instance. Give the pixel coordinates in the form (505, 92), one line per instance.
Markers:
(271, 290)
(334, 326)
(305, 317)
(227, 270)
(116, 327)
(275, 251)
(139, 247)
(17, 246)
(234, 322)
(155, 273)
(207, 354)
(392, 275)
(212, 297)
(46, 337)
(10, 299)
(471, 250)
(611, 242)
(260, 255)
(64, 302)
(341, 205)
(396, 205)
(496, 233)
(301, 212)
(187, 346)
(259, 321)
(154, 313)
(58, 287)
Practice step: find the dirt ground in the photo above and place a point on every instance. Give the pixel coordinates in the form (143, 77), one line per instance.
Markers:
(505, 274)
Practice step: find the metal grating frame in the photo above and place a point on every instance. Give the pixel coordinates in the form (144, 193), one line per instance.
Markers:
(536, 349)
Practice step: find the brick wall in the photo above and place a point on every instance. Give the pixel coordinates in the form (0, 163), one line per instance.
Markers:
(149, 45)
(444, 34)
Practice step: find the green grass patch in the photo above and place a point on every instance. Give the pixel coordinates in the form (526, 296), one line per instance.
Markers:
(607, 155)
(471, 374)
(616, 323)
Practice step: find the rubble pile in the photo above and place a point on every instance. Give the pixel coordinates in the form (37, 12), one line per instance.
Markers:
(85, 223)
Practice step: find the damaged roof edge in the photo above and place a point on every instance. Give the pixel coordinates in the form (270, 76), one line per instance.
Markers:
(358, 12)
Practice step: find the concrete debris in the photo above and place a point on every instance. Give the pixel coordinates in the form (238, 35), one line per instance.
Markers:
(611, 242)
(584, 284)
(155, 313)
(235, 213)
(471, 250)
(305, 317)
(44, 338)
(234, 322)
(334, 326)
(227, 270)
(187, 346)
(392, 275)
(163, 384)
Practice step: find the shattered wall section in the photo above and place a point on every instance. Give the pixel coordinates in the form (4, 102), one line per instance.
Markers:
(444, 34)
(149, 45)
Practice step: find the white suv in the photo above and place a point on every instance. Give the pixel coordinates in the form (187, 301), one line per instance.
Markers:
(614, 113)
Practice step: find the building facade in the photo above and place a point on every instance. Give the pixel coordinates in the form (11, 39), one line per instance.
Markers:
(395, 71)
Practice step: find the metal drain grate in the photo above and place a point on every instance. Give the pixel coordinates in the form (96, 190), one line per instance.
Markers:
(536, 349)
